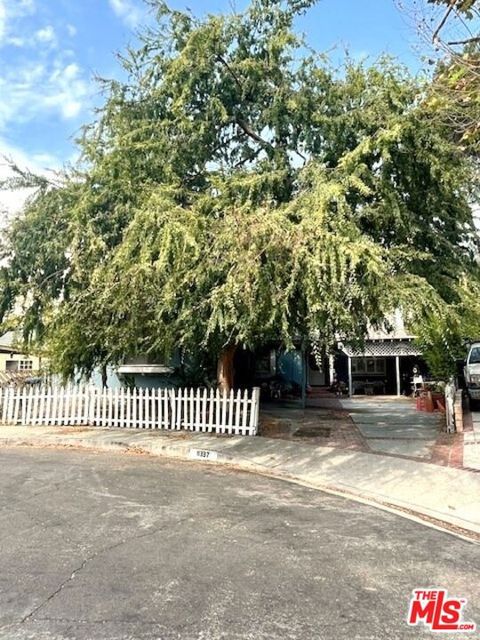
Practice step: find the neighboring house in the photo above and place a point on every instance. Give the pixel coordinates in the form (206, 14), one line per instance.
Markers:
(16, 366)
(384, 364)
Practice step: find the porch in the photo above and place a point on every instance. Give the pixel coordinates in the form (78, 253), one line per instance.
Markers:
(285, 377)
(380, 367)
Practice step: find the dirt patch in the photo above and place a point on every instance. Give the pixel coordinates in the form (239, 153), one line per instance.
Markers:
(313, 432)
(271, 427)
(318, 427)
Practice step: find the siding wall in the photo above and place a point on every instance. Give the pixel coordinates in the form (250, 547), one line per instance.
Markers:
(4, 357)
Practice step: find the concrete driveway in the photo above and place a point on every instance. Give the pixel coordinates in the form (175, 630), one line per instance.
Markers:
(394, 426)
(120, 547)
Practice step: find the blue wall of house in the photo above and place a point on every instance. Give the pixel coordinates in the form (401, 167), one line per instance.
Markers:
(148, 381)
(112, 379)
(288, 368)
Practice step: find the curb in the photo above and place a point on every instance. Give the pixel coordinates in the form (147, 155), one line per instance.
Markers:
(179, 451)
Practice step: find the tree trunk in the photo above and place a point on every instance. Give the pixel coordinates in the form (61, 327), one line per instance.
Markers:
(225, 368)
(104, 376)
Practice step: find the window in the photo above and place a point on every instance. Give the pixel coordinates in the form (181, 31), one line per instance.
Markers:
(11, 365)
(358, 365)
(380, 365)
(474, 356)
(266, 362)
(371, 366)
(25, 365)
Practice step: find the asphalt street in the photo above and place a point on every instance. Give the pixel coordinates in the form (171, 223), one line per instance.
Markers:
(100, 546)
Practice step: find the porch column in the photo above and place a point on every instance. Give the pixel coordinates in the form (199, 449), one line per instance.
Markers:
(397, 370)
(350, 381)
(304, 375)
(331, 368)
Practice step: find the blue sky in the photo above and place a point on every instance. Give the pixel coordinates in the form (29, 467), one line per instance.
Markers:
(50, 51)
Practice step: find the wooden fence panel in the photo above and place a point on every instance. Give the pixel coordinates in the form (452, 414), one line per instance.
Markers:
(192, 409)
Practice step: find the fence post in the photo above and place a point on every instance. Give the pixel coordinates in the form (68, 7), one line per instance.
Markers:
(211, 411)
(10, 405)
(91, 395)
(128, 401)
(41, 404)
(231, 411)
(48, 405)
(4, 404)
(450, 405)
(23, 412)
(255, 411)
(178, 424)
(244, 430)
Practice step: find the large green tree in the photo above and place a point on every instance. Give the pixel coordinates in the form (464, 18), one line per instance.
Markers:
(235, 189)
(453, 101)
(452, 29)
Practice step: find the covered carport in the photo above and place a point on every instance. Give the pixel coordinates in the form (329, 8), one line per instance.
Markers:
(380, 367)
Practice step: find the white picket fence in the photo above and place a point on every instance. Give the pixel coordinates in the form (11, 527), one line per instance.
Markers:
(191, 409)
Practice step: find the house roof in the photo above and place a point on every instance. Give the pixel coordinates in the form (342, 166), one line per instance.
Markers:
(382, 348)
(391, 339)
(7, 342)
(144, 369)
(17, 377)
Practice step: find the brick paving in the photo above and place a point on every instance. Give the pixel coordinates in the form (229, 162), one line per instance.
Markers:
(327, 427)
(448, 450)
(471, 441)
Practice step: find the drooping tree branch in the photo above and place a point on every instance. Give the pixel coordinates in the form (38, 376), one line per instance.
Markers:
(245, 127)
(443, 21)
(473, 40)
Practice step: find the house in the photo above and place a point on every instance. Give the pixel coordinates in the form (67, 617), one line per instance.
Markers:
(282, 374)
(15, 365)
(382, 364)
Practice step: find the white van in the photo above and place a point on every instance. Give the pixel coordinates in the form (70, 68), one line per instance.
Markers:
(472, 373)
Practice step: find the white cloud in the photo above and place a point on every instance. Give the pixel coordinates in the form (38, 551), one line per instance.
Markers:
(16, 41)
(10, 10)
(36, 88)
(3, 20)
(129, 12)
(40, 84)
(71, 109)
(71, 71)
(24, 6)
(68, 91)
(46, 35)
